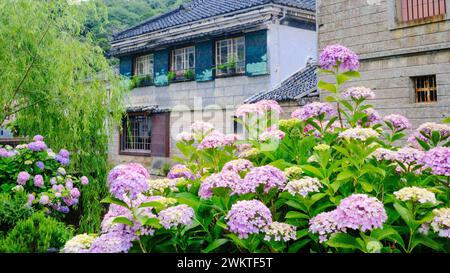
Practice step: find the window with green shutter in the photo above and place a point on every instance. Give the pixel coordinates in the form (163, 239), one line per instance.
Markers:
(204, 61)
(125, 66)
(256, 53)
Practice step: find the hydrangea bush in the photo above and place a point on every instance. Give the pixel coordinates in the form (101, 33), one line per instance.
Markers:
(341, 178)
(35, 169)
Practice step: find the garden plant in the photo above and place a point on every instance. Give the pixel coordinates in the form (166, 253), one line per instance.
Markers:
(335, 177)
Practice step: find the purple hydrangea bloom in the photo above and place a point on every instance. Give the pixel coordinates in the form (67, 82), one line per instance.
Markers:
(214, 140)
(408, 155)
(6, 153)
(224, 179)
(269, 105)
(44, 200)
(113, 242)
(359, 211)
(269, 176)
(31, 198)
(38, 138)
(130, 167)
(23, 178)
(63, 157)
(324, 224)
(53, 181)
(398, 122)
(84, 180)
(357, 93)
(180, 171)
(69, 184)
(248, 217)
(129, 183)
(177, 215)
(412, 140)
(64, 153)
(75, 193)
(40, 165)
(37, 146)
(271, 134)
(372, 117)
(39, 181)
(438, 160)
(238, 166)
(314, 109)
(338, 55)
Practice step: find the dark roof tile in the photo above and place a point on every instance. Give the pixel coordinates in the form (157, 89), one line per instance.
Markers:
(201, 9)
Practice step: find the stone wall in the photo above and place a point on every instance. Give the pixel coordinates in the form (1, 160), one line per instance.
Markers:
(391, 53)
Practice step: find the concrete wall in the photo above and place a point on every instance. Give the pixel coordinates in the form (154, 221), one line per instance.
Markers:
(289, 50)
(391, 53)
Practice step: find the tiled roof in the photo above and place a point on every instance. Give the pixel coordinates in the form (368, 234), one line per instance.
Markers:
(148, 108)
(202, 9)
(301, 84)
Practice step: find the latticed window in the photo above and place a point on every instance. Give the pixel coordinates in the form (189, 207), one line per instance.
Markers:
(230, 56)
(136, 134)
(183, 62)
(143, 65)
(420, 9)
(425, 88)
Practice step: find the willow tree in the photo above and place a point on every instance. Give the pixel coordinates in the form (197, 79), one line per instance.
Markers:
(55, 81)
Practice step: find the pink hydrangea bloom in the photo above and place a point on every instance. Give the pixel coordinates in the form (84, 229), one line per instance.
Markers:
(357, 93)
(438, 160)
(268, 176)
(248, 217)
(38, 181)
(398, 122)
(314, 109)
(338, 55)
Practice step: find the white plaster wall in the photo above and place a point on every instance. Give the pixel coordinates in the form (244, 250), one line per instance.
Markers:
(289, 49)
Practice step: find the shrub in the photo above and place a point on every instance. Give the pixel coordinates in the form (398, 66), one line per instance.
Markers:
(39, 233)
(13, 208)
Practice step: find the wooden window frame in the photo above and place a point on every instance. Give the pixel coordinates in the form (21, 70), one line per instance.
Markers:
(180, 73)
(142, 152)
(151, 68)
(217, 56)
(396, 21)
(424, 93)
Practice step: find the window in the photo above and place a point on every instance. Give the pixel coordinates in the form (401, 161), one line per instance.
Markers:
(420, 9)
(425, 89)
(143, 65)
(230, 56)
(136, 135)
(183, 63)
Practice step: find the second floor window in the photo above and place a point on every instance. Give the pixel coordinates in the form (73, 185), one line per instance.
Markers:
(230, 56)
(420, 9)
(143, 65)
(183, 63)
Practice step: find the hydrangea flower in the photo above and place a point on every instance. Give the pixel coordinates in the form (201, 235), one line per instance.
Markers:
(177, 215)
(180, 171)
(112, 242)
(30, 199)
(303, 186)
(372, 117)
(398, 122)
(415, 194)
(125, 168)
(84, 180)
(224, 179)
(441, 222)
(313, 109)
(321, 147)
(269, 105)
(360, 211)
(248, 217)
(357, 93)
(408, 155)
(280, 232)
(40, 165)
(428, 127)
(268, 176)
(63, 157)
(185, 136)
(38, 181)
(338, 55)
(125, 180)
(44, 200)
(6, 153)
(213, 140)
(288, 124)
(324, 224)
(201, 128)
(79, 244)
(37, 146)
(38, 138)
(358, 133)
(293, 172)
(438, 160)
(248, 109)
(238, 166)
(248, 153)
(271, 134)
(23, 178)
(160, 185)
(384, 154)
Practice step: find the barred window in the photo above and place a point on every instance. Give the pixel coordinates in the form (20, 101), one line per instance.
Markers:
(230, 56)
(425, 88)
(143, 65)
(420, 9)
(136, 134)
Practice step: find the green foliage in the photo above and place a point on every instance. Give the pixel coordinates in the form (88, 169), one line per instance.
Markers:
(56, 82)
(38, 233)
(13, 208)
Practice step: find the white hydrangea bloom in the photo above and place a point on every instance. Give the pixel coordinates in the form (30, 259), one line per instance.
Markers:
(416, 194)
(79, 244)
